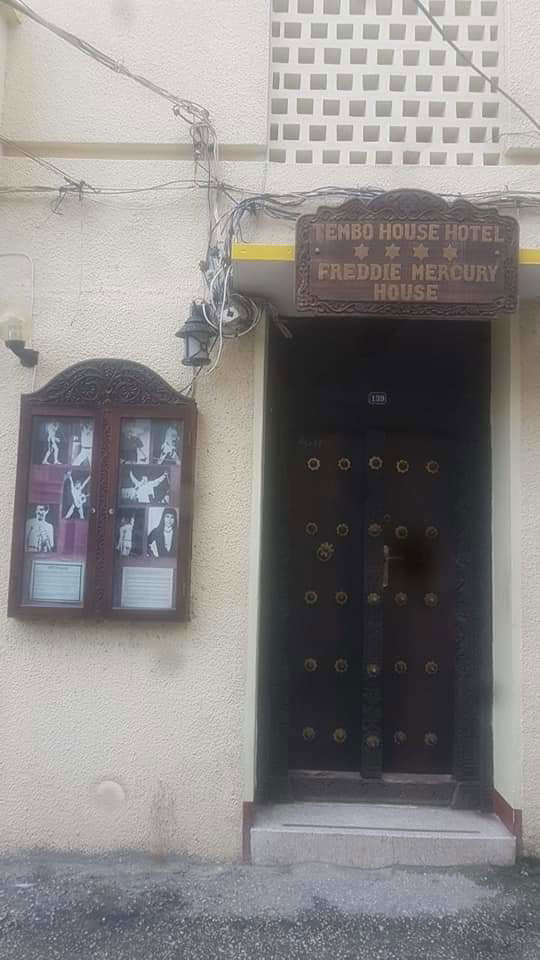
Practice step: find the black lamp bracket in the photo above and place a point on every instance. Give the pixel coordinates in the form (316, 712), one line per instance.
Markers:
(28, 357)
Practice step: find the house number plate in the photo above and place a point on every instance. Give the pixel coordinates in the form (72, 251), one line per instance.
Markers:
(377, 398)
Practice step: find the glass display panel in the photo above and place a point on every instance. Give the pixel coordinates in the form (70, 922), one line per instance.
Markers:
(57, 511)
(147, 514)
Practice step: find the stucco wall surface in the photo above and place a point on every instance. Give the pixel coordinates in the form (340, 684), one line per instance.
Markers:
(211, 51)
(520, 75)
(126, 735)
(506, 553)
(4, 36)
(530, 574)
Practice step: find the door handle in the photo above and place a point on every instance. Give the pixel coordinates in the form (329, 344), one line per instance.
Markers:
(388, 558)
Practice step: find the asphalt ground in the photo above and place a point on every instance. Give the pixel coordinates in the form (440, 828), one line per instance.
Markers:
(130, 908)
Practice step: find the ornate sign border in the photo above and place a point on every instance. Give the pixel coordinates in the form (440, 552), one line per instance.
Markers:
(407, 205)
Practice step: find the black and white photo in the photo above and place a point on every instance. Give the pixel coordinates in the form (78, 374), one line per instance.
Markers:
(166, 442)
(144, 485)
(50, 442)
(75, 495)
(81, 444)
(40, 529)
(162, 532)
(129, 533)
(135, 441)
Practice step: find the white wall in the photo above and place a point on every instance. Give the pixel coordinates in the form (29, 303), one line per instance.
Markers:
(4, 28)
(156, 709)
(130, 735)
(506, 551)
(8, 19)
(530, 574)
(212, 51)
(516, 565)
(520, 77)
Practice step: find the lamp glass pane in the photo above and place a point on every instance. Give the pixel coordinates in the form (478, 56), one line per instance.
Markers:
(15, 297)
(193, 347)
(14, 327)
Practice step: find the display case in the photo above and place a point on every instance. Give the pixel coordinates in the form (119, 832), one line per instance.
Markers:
(104, 496)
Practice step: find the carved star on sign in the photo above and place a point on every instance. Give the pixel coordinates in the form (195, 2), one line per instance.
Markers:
(450, 253)
(420, 251)
(392, 251)
(361, 252)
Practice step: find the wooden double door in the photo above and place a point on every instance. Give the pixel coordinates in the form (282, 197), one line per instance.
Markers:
(372, 601)
(375, 641)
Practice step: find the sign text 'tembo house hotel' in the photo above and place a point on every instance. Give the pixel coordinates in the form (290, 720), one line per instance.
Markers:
(409, 261)
(361, 258)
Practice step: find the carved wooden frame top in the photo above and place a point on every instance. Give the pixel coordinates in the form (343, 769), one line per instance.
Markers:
(107, 382)
(406, 205)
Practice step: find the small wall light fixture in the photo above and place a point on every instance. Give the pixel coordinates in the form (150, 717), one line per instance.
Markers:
(197, 334)
(17, 305)
(12, 332)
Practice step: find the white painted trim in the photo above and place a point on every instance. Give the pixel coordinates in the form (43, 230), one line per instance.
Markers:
(506, 557)
(516, 506)
(249, 753)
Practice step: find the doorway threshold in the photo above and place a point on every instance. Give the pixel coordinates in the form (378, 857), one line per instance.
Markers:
(437, 790)
(378, 835)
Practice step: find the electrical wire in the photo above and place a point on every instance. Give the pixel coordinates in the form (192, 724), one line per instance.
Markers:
(225, 227)
(78, 187)
(280, 206)
(289, 207)
(467, 59)
(188, 389)
(195, 112)
(196, 116)
(221, 337)
(165, 185)
(141, 205)
(215, 277)
(76, 184)
(258, 310)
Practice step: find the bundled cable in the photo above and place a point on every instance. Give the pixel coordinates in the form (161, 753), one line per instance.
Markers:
(187, 109)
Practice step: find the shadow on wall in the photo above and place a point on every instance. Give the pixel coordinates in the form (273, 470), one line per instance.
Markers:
(164, 821)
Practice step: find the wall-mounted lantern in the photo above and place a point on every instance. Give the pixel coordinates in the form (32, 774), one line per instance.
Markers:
(17, 305)
(12, 332)
(197, 334)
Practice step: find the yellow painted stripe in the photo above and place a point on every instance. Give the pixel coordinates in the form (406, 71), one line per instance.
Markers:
(263, 251)
(285, 252)
(529, 256)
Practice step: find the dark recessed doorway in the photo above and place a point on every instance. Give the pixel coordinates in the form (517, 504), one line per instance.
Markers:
(375, 642)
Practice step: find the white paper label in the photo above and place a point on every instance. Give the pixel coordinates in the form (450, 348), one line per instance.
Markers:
(147, 588)
(57, 582)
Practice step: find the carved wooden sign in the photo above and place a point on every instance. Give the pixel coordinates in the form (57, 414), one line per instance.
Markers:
(407, 253)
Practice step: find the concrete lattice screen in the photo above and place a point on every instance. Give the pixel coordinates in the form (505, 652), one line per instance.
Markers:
(372, 82)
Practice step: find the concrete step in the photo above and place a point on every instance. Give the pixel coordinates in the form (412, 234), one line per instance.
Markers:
(378, 835)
